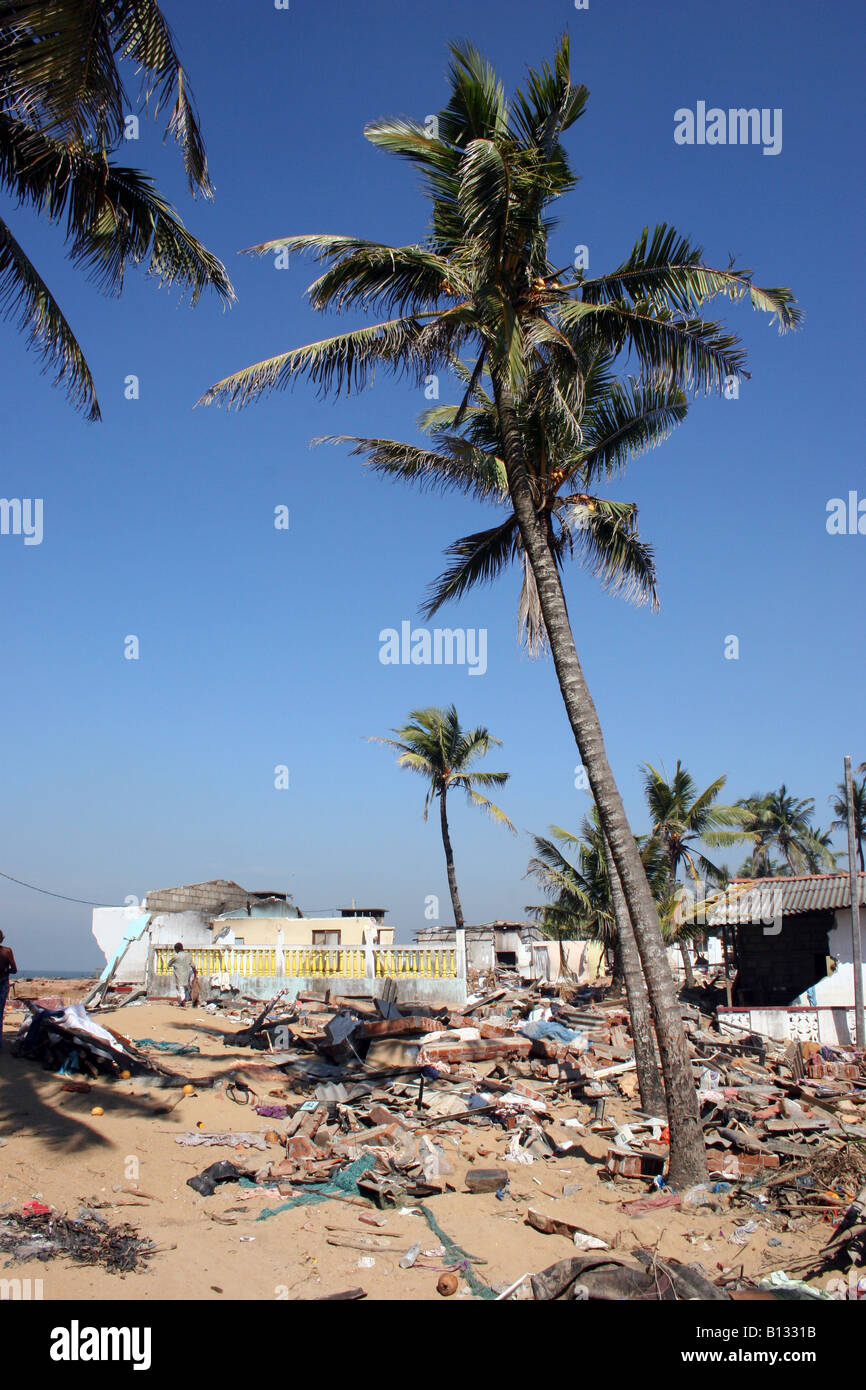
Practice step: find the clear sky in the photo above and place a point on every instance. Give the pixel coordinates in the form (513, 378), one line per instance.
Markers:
(260, 647)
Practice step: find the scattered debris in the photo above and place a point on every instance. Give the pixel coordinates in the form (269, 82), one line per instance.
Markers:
(40, 1234)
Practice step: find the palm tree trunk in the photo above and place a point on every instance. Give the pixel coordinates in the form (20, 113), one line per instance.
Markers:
(688, 1162)
(613, 956)
(649, 1078)
(449, 861)
(687, 965)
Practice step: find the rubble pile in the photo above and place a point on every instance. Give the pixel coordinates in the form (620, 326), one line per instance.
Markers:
(66, 1039)
(523, 1073)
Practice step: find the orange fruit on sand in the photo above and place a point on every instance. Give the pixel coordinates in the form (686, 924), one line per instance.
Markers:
(125, 1075)
(97, 1110)
(188, 1090)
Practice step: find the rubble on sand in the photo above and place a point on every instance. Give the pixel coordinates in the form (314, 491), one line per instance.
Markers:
(375, 1104)
(65, 1039)
(47, 1235)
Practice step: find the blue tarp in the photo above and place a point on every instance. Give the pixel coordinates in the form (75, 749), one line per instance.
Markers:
(546, 1028)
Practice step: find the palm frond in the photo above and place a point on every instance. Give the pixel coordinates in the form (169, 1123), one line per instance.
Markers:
(494, 812)
(114, 216)
(668, 273)
(26, 299)
(483, 192)
(58, 69)
(607, 542)
(460, 467)
(59, 73)
(696, 353)
(344, 362)
(626, 420)
(477, 559)
(145, 38)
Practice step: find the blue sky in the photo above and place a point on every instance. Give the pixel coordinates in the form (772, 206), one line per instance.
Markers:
(260, 647)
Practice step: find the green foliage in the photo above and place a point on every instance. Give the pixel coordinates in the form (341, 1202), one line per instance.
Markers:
(435, 746)
(839, 803)
(778, 821)
(62, 109)
(492, 169)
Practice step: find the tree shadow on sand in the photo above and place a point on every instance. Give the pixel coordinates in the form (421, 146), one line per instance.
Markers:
(32, 1103)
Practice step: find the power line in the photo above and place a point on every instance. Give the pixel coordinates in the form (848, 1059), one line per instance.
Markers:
(32, 886)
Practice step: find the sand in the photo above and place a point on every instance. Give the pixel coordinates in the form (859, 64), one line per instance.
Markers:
(52, 1149)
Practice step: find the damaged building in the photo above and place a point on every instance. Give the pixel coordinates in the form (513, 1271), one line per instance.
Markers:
(788, 946)
(255, 942)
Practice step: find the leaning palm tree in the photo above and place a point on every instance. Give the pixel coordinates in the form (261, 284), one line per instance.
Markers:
(483, 284)
(839, 803)
(778, 821)
(434, 745)
(63, 110)
(577, 876)
(681, 818)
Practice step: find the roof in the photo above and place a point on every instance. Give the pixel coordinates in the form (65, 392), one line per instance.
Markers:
(759, 899)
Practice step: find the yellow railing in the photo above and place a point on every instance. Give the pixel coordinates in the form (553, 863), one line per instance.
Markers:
(416, 962)
(317, 962)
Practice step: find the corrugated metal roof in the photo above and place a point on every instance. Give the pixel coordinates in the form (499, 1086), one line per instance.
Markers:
(760, 899)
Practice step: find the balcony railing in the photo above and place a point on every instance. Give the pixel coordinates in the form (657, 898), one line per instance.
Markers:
(318, 962)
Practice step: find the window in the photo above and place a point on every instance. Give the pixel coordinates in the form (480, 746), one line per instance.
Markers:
(326, 938)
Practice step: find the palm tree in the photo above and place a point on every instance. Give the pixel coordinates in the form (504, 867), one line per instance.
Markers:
(484, 281)
(839, 802)
(618, 420)
(585, 899)
(681, 818)
(62, 113)
(434, 745)
(778, 821)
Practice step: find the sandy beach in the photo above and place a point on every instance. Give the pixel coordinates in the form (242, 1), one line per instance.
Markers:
(127, 1165)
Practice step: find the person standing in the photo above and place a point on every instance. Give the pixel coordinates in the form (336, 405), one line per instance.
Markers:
(183, 969)
(8, 968)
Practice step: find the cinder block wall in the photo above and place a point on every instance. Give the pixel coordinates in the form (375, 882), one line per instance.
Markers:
(210, 899)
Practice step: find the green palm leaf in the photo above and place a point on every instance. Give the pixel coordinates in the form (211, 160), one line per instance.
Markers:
(26, 300)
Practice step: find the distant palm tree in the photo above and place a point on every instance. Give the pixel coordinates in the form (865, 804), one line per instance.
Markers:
(778, 821)
(571, 871)
(839, 802)
(434, 745)
(682, 818)
(63, 109)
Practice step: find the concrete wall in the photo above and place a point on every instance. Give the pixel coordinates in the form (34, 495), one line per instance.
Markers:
(838, 988)
(582, 959)
(111, 923)
(444, 991)
(264, 931)
(821, 1025)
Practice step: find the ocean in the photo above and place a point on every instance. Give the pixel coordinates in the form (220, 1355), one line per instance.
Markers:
(45, 972)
